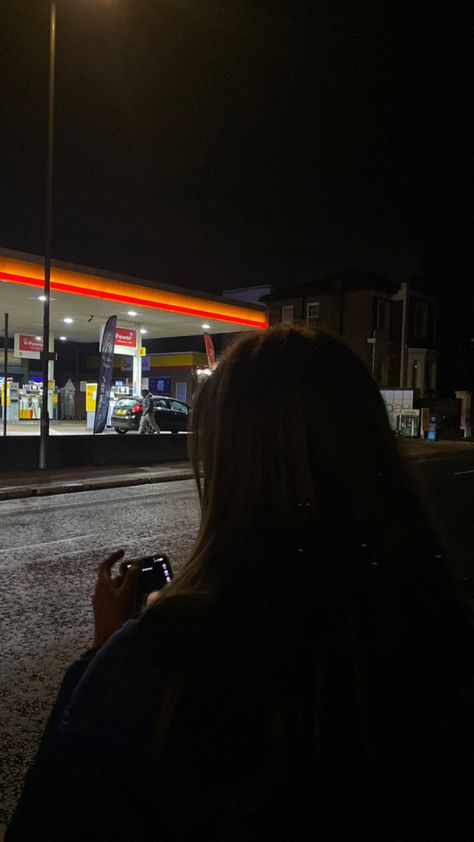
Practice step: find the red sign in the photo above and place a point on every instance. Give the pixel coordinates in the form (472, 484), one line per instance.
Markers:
(211, 354)
(29, 343)
(126, 338)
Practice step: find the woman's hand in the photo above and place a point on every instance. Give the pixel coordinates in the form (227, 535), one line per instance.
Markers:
(151, 598)
(113, 598)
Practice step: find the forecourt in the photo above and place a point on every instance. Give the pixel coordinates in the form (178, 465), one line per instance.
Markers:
(82, 299)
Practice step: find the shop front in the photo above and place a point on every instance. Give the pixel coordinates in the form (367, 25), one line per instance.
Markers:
(404, 419)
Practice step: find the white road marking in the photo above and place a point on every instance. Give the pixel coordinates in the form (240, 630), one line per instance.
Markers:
(458, 473)
(416, 461)
(45, 543)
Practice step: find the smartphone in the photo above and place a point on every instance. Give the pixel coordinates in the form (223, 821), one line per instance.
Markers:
(156, 572)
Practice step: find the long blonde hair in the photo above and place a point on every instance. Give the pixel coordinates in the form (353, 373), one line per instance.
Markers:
(310, 534)
(292, 438)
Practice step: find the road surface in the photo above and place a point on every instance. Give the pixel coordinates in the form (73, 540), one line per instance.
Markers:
(49, 552)
(50, 548)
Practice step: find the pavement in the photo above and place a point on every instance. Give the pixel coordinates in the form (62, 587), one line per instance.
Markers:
(42, 483)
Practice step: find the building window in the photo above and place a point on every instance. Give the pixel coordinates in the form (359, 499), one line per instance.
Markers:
(421, 319)
(312, 314)
(429, 375)
(287, 313)
(383, 315)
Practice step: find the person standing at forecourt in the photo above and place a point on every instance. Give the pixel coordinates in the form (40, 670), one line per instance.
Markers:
(147, 421)
(308, 673)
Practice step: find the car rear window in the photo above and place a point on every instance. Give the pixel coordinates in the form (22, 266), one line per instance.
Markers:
(124, 403)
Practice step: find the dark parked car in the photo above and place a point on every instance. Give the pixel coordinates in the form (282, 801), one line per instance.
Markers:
(171, 415)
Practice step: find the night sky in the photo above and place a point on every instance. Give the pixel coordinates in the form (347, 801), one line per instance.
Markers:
(222, 143)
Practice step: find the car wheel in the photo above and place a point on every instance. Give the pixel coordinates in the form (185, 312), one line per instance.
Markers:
(121, 430)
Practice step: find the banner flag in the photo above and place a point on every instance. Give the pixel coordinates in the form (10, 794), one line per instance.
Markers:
(211, 354)
(105, 375)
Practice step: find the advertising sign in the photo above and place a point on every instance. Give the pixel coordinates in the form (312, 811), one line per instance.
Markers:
(91, 394)
(211, 354)
(126, 364)
(160, 385)
(2, 391)
(105, 374)
(433, 428)
(425, 419)
(27, 347)
(125, 340)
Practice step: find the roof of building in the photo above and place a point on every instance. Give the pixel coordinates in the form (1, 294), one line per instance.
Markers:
(83, 298)
(349, 280)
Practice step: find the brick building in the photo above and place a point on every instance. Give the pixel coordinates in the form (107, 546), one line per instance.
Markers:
(392, 327)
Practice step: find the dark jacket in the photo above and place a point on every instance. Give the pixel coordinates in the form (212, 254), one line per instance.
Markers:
(101, 775)
(147, 404)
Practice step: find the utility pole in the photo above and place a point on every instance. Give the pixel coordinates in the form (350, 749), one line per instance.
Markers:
(5, 376)
(44, 423)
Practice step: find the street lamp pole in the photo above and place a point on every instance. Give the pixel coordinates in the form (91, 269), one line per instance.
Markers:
(44, 424)
(5, 376)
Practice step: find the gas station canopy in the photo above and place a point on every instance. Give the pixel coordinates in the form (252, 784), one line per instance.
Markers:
(82, 299)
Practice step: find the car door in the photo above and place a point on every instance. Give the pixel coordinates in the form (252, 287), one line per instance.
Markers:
(163, 414)
(180, 414)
